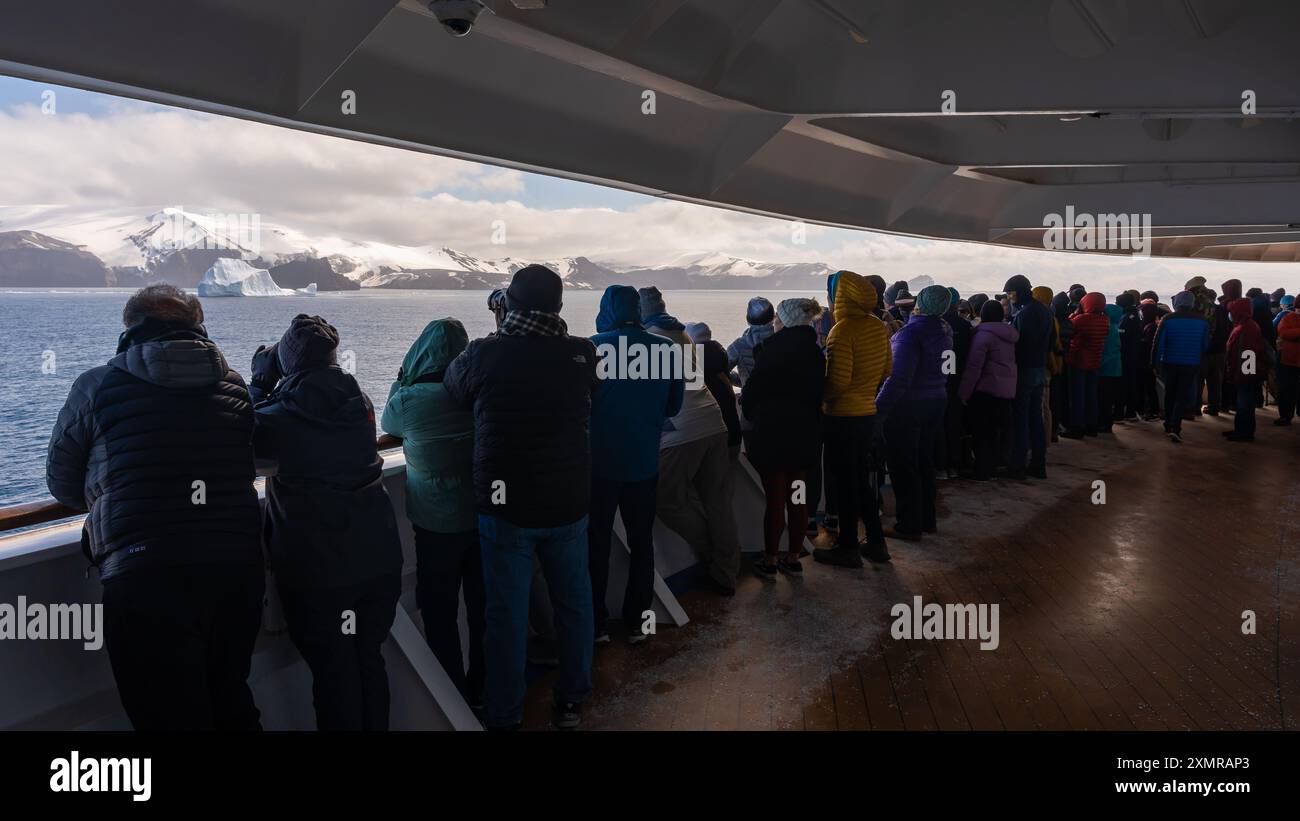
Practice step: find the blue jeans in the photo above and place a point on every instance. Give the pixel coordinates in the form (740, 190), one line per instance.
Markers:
(507, 577)
(1027, 417)
(1243, 424)
(1083, 400)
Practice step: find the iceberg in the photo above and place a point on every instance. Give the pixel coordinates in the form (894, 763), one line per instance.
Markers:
(235, 277)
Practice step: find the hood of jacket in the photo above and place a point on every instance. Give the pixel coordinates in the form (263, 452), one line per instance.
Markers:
(1061, 305)
(181, 360)
(1149, 311)
(1114, 313)
(329, 397)
(854, 296)
(620, 307)
(1021, 287)
(1240, 309)
(439, 343)
(1093, 303)
(754, 334)
(1043, 294)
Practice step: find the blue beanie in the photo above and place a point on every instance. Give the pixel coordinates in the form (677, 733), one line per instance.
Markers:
(954, 297)
(933, 300)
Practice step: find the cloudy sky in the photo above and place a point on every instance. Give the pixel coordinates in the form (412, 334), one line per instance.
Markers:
(98, 151)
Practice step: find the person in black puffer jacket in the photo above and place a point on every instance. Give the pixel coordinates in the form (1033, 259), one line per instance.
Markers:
(530, 386)
(330, 532)
(158, 446)
(782, 398)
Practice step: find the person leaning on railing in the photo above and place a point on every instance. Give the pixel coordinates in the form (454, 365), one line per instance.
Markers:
(331, 535)
(157, 446)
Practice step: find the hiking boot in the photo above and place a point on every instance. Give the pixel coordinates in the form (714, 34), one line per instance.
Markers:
(1175, 437)
(790, 567)
(765, 571)
(876, 552)
(837, 556)
(602, 638)
(566, 715)
(1038, 472)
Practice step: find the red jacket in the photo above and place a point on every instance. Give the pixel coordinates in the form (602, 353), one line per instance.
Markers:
(1288, 339)
(1090, 329)
(1246, 336)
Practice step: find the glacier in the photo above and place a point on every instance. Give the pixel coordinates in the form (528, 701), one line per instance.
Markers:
(235, 277)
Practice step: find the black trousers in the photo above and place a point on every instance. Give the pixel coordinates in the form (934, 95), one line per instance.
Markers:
(1288, 390)
(339, 632)
(910, 431)
(1132, 399)
(1180, 388)
(635, 502)
(447, 564)
(848, 460)
(1110, 398)
(1148, 400)
(955, 451)
(990, 418)
(180, 641)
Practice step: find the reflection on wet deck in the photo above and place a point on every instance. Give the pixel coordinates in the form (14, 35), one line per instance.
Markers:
(1126, 615)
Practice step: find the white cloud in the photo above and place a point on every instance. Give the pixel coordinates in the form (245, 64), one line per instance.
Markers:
(134, 155)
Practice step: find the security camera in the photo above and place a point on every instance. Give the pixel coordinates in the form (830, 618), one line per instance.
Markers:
(457, 16)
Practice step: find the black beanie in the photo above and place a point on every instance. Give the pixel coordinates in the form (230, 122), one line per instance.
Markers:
(535, 288)
(309, 343)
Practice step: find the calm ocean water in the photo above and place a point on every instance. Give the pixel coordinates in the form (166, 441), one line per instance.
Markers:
(81, 327)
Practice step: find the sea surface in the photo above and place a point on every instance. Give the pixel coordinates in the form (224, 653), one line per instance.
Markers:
(48, 337)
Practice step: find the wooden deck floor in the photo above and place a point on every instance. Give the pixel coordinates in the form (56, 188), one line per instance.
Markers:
(1125, 615)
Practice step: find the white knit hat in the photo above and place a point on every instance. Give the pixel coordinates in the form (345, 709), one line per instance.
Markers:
(798, 311)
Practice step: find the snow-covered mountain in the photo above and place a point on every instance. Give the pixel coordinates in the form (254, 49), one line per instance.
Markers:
(179, 245)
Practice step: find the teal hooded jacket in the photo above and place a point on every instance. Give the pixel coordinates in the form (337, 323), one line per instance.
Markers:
(1110, 355)
(437, 433)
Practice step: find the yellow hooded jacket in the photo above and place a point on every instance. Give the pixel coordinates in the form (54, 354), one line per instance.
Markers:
(1055, 362)
(857, 350)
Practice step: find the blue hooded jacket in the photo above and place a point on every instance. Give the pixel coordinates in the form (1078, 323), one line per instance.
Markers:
(627, 414)
(1111, 363)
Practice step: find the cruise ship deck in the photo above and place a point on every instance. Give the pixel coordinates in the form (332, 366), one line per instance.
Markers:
(1119, 616)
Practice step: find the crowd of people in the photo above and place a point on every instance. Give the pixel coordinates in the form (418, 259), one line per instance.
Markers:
(522, 447)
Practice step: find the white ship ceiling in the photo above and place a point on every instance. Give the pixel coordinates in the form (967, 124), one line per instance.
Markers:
(823, 110)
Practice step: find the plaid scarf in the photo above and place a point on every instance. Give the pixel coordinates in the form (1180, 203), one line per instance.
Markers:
(533, 323)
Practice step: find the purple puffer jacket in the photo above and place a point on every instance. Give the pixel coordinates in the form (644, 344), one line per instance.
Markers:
(918, 363)
(991, 365)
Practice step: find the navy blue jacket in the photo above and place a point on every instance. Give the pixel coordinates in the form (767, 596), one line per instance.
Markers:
(135, 438)
(1033, 320)
(627, 414)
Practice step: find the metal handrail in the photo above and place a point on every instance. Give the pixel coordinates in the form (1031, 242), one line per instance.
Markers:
(27, 514)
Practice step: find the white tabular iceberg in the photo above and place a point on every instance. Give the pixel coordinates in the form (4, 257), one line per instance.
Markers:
(234, 277)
